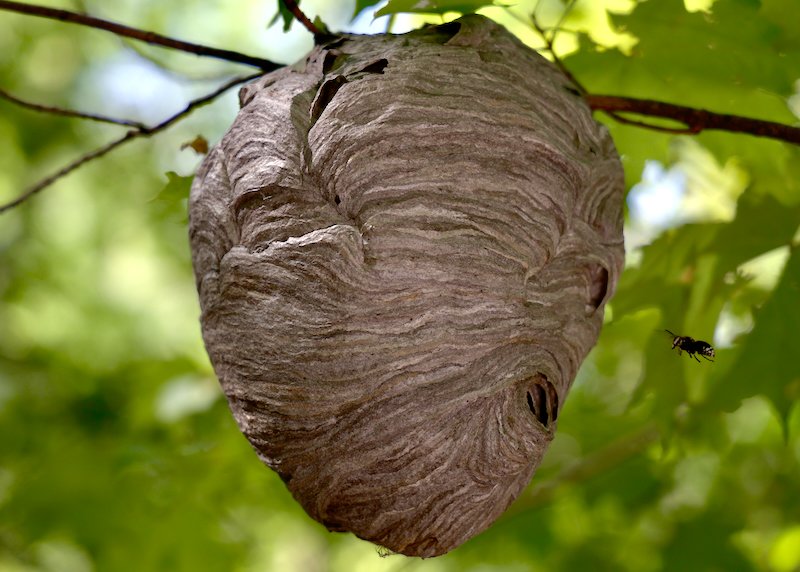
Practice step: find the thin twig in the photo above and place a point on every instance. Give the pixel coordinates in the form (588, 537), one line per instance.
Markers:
(132, 134)
(560, 30)
(136, 34)
(69, 112)
(292, 6)
(557, 28)
(695, 120)
(652, 126)
(47, 181)
(549, 41)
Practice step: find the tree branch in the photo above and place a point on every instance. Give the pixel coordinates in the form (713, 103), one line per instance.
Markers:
(68, 112)
(292, 6)
(695, 120)
(136, 34)
(132, 134)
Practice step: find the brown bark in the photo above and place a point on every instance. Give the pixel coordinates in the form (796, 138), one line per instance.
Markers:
(695, 120)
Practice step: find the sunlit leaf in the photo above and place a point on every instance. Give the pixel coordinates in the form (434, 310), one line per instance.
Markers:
(732, 60)
(284, 14)
(171, 202)
(320, 25)
(432, 6)
(768, 363)
(362, 5)
(177, 187)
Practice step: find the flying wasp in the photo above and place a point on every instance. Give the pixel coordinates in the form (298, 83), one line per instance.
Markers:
(692, 347)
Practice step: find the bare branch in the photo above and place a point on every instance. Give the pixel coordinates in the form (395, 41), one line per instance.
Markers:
(136, 34)
(292, 6)
(132, 134)
(199, 102)
(557, 28)
(652, 126)
(47, 181)
(695, 120)
(69, 112)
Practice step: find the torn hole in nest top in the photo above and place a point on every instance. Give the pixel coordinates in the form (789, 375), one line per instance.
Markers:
(325, 95)
(376, 67)
(450, 29)
(331, 61)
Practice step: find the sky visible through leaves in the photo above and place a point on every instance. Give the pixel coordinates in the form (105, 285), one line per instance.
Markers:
(117, 450)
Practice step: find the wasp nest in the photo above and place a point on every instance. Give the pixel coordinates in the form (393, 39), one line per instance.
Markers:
(403, 247)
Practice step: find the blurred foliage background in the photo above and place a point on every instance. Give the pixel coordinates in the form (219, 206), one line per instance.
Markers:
(117, 451)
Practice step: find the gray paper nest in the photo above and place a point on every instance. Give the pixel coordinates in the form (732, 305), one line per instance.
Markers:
(403, 247)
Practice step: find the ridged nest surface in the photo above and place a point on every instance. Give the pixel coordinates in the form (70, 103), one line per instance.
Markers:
(403, 246)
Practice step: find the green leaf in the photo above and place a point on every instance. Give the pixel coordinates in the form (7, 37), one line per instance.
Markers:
(674, 259)
(432, 6)
(768, 362)
(666, 271)
(362, 5)
(689, 275)
(283, 13)
(762, 224)
(170, 203)
(733, 60)
(687, 57)
(704, 543)
(321, 26)
(177, 188)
